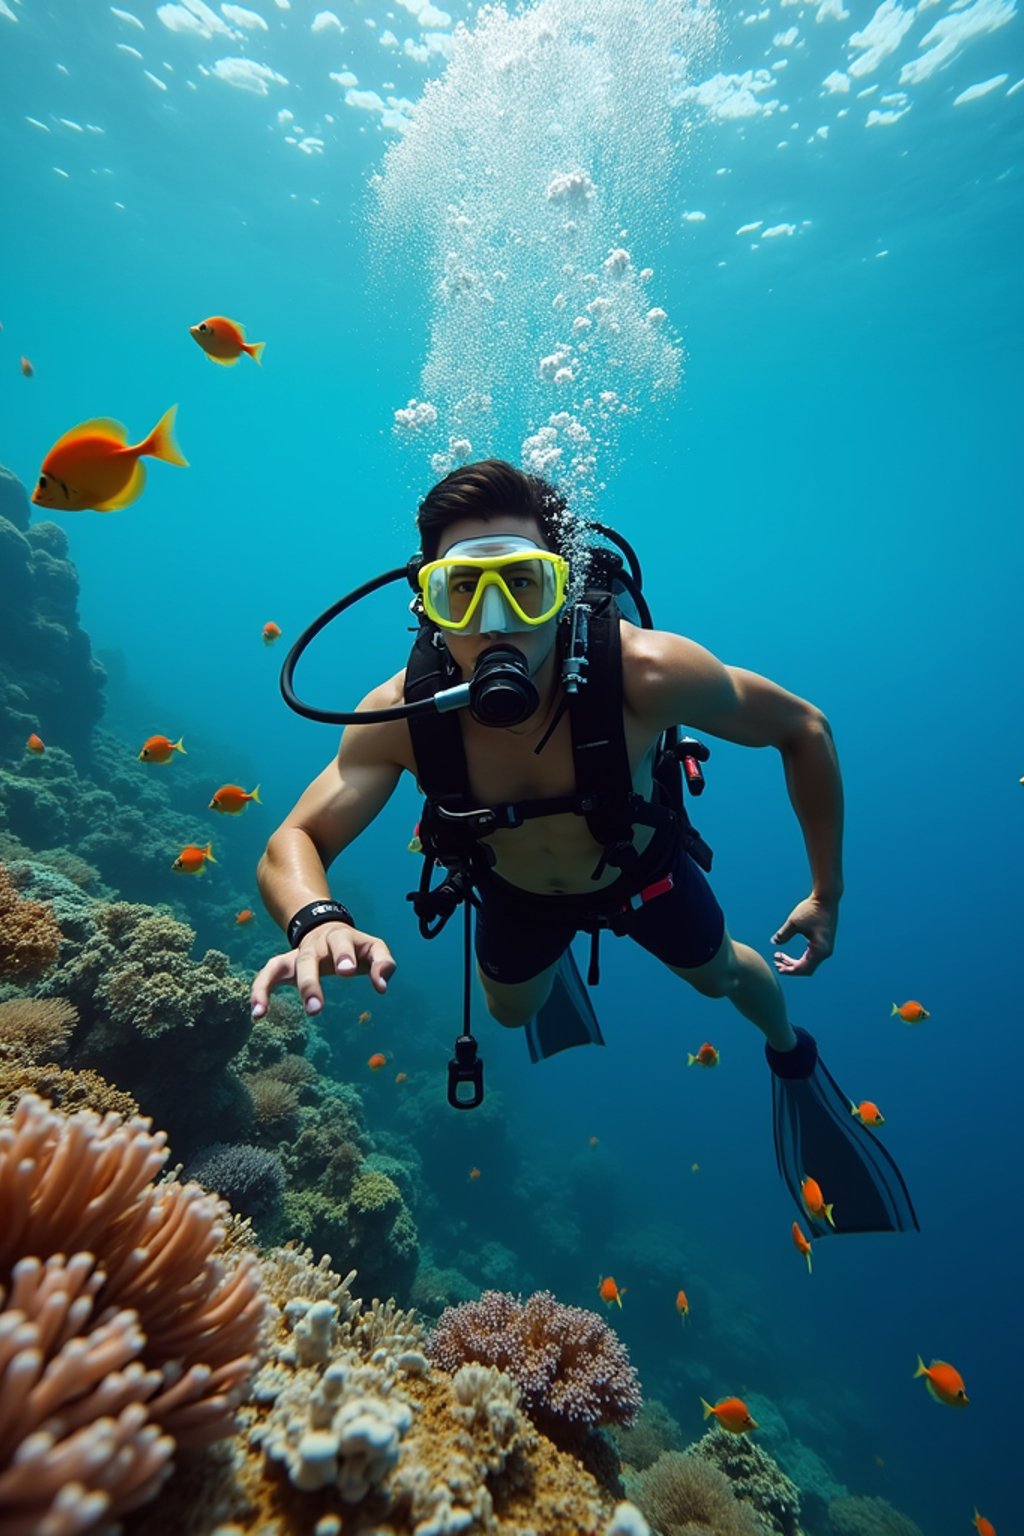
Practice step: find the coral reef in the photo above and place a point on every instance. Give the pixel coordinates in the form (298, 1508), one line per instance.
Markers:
(684, 1495)
(66, 1089)
(655, 1431)
(29, 935)
(49, 680)
(755, 1478)
(571, 1369)
(155, 1021)
(853, 1516)
(124, 1329)
(251, 1179)
(348, 1428)
(36, 1029)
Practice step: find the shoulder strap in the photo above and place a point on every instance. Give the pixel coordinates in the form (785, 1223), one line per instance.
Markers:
(441, 770)
(604, 783)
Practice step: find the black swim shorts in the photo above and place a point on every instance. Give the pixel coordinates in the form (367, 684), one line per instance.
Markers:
(672, 912)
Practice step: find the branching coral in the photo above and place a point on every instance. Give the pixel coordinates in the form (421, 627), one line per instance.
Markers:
(124, 1325)
(683, 1495)
(572, 1370)
(29, 935)
(755, 1478)
(251, 1179)
(65, 1089)
(36, 1029)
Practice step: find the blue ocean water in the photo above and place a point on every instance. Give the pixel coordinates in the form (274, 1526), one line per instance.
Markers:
(830, 200)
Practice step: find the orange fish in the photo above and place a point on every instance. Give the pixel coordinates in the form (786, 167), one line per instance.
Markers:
(910, 1013)
(474, 1173)
(401, 1077)
(160, 749)
(26, 368)
(232, 799)
(682, 1306)
(867, 1113)
(609, 1291)
(35, 744)
(94, 466)
(245, 916)
(192, 859)
(732, 1414)
(984, 1527)
(376, 1061)
(223, 340)
(271, 632)
(803, 1243)
(707, 1056)
(944, 1382)
(364, 1017)
(814, 1201)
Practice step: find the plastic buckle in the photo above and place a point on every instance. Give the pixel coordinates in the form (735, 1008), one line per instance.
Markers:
(465, 1067)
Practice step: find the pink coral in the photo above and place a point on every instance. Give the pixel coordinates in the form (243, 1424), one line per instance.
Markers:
(144, 1336)
(571, 1369)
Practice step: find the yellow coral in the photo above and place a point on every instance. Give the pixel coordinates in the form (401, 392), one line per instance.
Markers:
(65, 1089)
(29, 935)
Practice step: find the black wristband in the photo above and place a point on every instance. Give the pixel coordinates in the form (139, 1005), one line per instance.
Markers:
(317, 912)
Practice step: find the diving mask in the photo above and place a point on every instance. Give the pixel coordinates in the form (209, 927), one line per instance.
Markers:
(497, 584)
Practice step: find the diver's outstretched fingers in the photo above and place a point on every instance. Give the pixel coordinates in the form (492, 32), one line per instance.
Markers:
(382, 965)
(278, 968)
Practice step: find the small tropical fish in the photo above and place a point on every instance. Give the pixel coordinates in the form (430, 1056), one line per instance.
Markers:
(867, 1113)
(245, 916)
(26, 368)
(592, 1141)
(35, 744)
(474, 1173)
(160, 749)
(944, 1382)
(271, 632)
(223, 340)
(682, 1306)
(401, 1077)
(814, 1201)
(192, 859)
(707, 1056)
(415, 844)
(94, 466)
(609, 1291)
(376, 1061)
(910, 1013)
(232, 799)
(364, 1017)
(803, 1243)
(984, 1527)
(732, 1414)
(695, 1167)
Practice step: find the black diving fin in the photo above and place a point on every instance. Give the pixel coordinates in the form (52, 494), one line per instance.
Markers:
(816, 1136)
(567, 1018)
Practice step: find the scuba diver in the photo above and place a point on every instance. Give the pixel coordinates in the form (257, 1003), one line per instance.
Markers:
(539, 715)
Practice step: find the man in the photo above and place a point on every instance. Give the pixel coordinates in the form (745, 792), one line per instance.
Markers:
(492, 585)
(541, 869)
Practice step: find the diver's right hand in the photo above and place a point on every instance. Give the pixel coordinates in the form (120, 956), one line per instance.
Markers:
(332, 949)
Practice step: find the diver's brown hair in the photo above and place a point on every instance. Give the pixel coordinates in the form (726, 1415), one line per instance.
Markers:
(491, 489)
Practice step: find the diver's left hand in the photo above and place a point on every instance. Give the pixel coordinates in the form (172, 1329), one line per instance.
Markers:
(817, 920)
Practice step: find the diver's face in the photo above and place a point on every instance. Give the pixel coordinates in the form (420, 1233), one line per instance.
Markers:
(536, 644)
